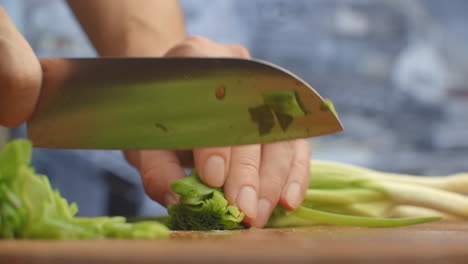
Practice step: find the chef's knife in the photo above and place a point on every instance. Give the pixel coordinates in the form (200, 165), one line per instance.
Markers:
(174, 103)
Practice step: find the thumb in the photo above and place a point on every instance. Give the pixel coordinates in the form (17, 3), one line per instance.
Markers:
(20, 75)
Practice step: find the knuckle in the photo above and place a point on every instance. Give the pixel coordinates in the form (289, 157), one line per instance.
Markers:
(14, 80)
(273, 181)
(279, 173)
(191, 46)
(291, 146)
(197, 39)
(183, 49)
(240, 51)
(302, 143)
(6, 47)
(19, 69)
(301, 164)
(248, 165)
(272, 186)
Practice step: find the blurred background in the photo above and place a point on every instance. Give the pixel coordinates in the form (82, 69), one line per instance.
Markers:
(397, 70)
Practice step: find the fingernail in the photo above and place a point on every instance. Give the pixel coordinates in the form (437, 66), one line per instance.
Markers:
(169, 199)
(247, 201)
(264, 211)
(293, 197)
(213, 171)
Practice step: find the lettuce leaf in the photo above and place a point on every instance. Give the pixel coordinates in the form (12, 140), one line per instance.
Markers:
(202, 207)
(30, 208)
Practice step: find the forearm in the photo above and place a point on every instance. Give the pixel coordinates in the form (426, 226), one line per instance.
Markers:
(129, 27)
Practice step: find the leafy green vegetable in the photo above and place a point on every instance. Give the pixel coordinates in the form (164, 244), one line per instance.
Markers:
(30, 208)
(443, 193)
(338, 194)
(305, 216)
(202, 207)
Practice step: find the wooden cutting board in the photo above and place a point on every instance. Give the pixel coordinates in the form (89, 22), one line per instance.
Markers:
(440, 242)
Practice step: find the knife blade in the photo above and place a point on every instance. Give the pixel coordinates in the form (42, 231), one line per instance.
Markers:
(174, 103)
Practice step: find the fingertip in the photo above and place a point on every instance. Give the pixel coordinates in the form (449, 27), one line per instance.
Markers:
(239, 51)
(214, 170)
(198, 39)
(292, 196)
(192, 46)
(247, 201)
(212, 165)
(294, 191)
(264, 212)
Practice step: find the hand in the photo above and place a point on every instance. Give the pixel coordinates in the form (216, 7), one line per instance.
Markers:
(20, 75)
(255, 177)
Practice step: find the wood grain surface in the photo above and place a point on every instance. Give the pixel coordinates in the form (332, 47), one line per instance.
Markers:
(440, 242)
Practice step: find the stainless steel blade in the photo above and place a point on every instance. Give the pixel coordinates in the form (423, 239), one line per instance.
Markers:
(171, 103)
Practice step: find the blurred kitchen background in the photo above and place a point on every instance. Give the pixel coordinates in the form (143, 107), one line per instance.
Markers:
(397, 70)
